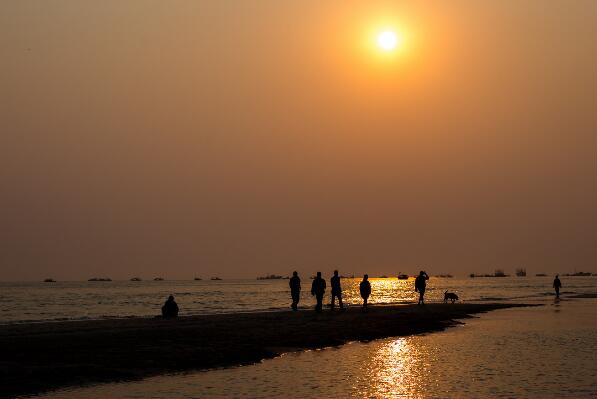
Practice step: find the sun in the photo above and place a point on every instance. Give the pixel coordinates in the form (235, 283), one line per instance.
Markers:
(388, 40)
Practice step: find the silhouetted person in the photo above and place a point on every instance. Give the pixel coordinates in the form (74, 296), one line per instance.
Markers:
(365, 289)
(557, 284)
(420, 285)
(336, 290)
(295, 290)
(170, 308)
(318, 289)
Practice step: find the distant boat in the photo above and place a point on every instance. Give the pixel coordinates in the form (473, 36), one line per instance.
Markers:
(270, 277)
(100, 279)
(158, 279)
(520, 272)
(445, 275)
(216, 279)
(540, 275)
(578, 274)
(383, 276)
(403, 277)
(135, 279)
(499, 273)
(198, 279)
(49, 280)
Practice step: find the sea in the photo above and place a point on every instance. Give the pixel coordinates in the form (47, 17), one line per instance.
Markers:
(547, 351)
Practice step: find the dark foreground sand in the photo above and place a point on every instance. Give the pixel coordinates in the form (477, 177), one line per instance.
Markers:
(40, 357)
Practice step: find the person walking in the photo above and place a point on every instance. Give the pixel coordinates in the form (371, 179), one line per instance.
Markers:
(557, 284)
(420, 285)
(336, 290)
(365, 289)
(295, 290)
(318, 289)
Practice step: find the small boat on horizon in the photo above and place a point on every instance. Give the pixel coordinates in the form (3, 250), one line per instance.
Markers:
(270, 277)
(197, 279)
(540, 275)
(403, 277)
(577, 274)
(521, 272)
(49, 280)
(216, 279)
(158, 279)
(100, 279)
(136, 279)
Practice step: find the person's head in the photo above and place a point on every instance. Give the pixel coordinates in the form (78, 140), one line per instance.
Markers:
(294, 274)
(171, 298)
(557, 275)
(365, 277)
(318, 274)
(421, 272)
(335, 272)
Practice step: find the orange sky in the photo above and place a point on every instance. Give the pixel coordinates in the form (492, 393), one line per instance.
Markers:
(189, 138)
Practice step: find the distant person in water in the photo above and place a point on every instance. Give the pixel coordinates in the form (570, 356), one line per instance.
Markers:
(365, 289)
(318, 289)
(557, 284)
(336, 290)
(295, 290)
(420, 285)
(170, 308)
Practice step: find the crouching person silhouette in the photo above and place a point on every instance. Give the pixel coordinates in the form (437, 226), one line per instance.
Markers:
(170, 308)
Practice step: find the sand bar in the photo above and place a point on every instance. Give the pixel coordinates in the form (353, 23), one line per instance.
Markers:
(45, 356)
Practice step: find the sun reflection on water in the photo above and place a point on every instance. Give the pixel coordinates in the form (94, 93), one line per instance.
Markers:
(396, 371)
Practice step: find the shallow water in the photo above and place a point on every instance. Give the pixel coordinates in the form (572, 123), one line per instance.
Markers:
(91, 300)
(539, 352)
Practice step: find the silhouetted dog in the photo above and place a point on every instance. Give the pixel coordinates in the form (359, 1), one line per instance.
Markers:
(451, 296)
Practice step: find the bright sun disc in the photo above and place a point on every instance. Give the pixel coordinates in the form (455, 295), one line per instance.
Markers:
(387, 40)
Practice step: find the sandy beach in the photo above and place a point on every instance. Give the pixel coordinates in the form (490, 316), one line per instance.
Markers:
(44, 356)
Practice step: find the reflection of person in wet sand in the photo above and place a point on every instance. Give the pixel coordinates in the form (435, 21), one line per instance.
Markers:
(557, 284)
(365, 289)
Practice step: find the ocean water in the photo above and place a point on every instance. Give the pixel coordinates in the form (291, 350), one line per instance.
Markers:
(540, 352)
(38, 301)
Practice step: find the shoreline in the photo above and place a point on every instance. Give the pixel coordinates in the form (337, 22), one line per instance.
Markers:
(47, 356)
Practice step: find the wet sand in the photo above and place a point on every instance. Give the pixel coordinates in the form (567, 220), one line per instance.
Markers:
(45, 356)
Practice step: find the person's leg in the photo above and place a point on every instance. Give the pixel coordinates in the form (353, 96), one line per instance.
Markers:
(333, 301)
(319, 306)
(340, 301)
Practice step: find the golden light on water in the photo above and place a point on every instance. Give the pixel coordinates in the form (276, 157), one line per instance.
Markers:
(398, 370)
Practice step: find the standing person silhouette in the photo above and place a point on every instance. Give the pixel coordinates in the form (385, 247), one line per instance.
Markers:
(336, 290)
(557, 284)
(318, 289)
(365, 289)
(295, 290)
(420, 285)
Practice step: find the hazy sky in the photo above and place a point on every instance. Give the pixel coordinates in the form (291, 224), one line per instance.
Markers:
(234, 138)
